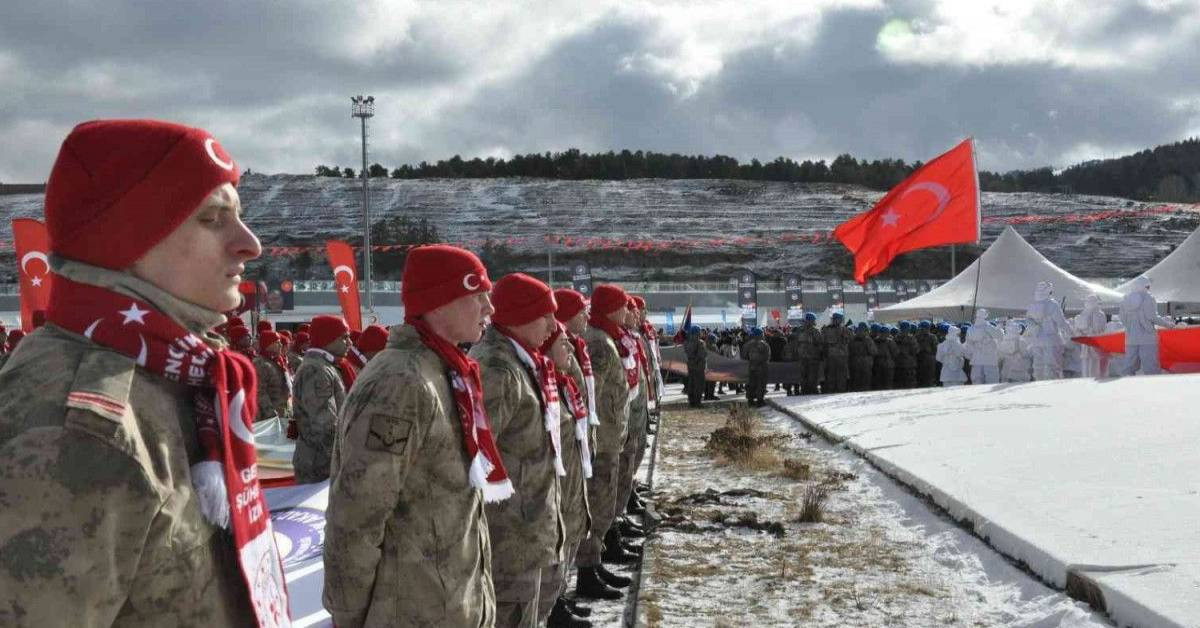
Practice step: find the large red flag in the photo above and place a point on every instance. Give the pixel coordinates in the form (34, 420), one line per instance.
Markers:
(341, 259)
(1178, 349)
(32, 243)
(935, 206)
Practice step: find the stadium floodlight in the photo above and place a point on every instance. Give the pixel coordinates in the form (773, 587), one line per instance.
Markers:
(363, 108)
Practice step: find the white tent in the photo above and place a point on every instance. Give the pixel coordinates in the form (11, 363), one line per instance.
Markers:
(1011, 270)
(1175, 281)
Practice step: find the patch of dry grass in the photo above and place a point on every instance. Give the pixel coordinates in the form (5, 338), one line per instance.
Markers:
(812, 505)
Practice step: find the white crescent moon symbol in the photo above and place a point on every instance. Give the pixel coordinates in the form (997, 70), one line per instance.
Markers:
(87, 333)
(141, 359)
(938, 190)
(467, 282)
(212, 154)
(236, 424)
(33, 255)
(345, 269)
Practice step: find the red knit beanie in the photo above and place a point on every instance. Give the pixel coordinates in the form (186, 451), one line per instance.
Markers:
(265, 325)
(354, 336)
(607, 299)
(373, 338)
(437, 274)
(303, 328)
(303, 339)
(519, 299)
(326, 329)
(266, 339)
(236, 321)
(119, 187)
(639, 303)
(237, 333)
(570, 304)
(285, 334)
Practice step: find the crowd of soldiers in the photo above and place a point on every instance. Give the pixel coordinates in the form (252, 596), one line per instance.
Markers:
(475, 454)
(844, 357)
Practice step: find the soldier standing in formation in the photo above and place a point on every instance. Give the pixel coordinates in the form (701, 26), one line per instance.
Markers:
(320, 393)
(112, 496)
(519, 392)
(406, 542)
(836, 345)
(274, 378)
(863, 354)
(697, 364)
(791, 353)
(926, 355)
(906, 360)
(812, 351)
(758, 352)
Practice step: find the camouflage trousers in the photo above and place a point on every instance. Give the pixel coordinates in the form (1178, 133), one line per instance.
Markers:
(635, 444)
(602, 497)
(554, 582)
(517, 599)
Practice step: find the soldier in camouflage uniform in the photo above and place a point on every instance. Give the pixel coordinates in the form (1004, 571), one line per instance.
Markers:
(863, 354)
(319, 397)
(99, 522)
(885, 361)
(836, 340)
(812, 352)
(527, 531)
(274, 381)
(758, 352)
(697, 363)
(612, 408)
(791, 353)
(906, 361)
(407, 542)
(927, 345)
(297, 350)
(639, 418)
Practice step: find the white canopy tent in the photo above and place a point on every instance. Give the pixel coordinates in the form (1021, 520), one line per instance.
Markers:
(1175, 281)
(1011, 270)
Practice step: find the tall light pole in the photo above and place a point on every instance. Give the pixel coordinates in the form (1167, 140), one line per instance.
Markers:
(363, 108)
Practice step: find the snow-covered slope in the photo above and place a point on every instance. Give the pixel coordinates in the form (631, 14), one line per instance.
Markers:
(1096, 481)
(292, 209)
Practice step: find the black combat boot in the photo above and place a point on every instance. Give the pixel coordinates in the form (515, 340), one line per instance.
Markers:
(630, 529)
(635, 506)
(589, 585)
(561, 617)
(577, 609)
(614, 552)
(614, 580)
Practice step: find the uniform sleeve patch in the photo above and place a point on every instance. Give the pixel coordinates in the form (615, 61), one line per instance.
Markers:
(389, 433)
(100, 404)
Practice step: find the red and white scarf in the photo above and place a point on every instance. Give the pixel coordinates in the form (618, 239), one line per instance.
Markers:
(589, 378)
(627, 348)
(580, 413)
(543, 369)
(487, 472)
(226, 481)
(651, 337)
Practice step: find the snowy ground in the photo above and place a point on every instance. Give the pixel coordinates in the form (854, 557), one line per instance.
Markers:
(881, 557)
(1090, 483)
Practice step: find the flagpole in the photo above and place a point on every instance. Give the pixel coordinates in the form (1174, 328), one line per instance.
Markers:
(953, 250)
(978, 230)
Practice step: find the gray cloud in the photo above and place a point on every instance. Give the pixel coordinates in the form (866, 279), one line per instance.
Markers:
(271, 79)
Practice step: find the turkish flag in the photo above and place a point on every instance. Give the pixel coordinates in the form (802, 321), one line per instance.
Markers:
(1178, 349)
(935, 206)
(345, 278)
(32, 243)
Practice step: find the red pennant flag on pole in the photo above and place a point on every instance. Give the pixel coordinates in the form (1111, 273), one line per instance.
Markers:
(31, 243)
(935, 206)
(345, 277)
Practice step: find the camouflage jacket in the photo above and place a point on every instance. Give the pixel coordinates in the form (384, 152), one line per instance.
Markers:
(406, 541)
(837, 341)
(887, 350)
(274, 394)
(927, 344)
(577, 516)
(862, 348)
(527, 528)
(811, 345)
(758, 352)
(99, 525)
(319, 396)
(294, 361)
(697, 353)
(612, 391)
(907, 358)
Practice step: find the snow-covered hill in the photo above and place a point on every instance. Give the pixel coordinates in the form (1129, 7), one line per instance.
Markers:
(297, 209)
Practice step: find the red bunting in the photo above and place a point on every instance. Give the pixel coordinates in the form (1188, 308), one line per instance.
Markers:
(1178, 349)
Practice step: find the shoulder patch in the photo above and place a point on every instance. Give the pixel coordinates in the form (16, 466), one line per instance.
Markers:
(102, 384)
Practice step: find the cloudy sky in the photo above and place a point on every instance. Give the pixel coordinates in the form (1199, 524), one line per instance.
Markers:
(1036, 82)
